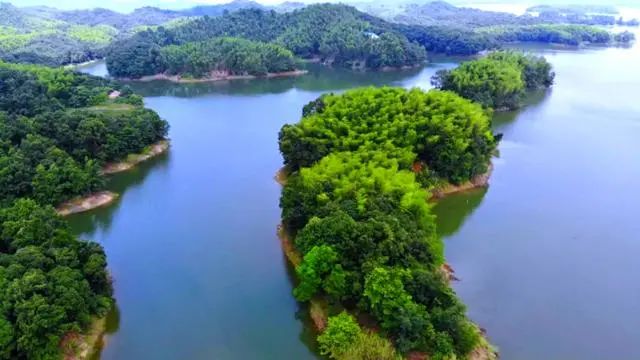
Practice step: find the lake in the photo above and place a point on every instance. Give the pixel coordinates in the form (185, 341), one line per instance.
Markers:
(547, 255)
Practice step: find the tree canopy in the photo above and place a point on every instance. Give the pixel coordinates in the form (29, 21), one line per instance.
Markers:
(57, 128)
(336, 34)
(361, 219)
(498, 80)
(52, 283)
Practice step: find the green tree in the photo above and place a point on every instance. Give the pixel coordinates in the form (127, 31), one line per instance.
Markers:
(341, 333)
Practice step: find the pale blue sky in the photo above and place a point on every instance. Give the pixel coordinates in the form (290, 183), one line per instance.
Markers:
(128, 5)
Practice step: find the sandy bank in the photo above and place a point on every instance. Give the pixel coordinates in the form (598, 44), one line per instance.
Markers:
(82, 204)
(215, 76)
(135, 159)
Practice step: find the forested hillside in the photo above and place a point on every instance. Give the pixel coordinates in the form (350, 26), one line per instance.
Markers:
(228, 55)
(440, 13)
(48, 36)
(335, 34)
(356, 203)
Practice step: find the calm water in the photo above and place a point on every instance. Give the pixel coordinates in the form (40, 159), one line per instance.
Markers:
(547, 254)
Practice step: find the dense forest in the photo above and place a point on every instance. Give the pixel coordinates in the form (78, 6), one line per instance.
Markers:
(356, 201)
(57, 128)
(203, 59)
(336, 34)
(52, 283)
(46, 36)
(557, 34)
(497, 81)
(343, 36)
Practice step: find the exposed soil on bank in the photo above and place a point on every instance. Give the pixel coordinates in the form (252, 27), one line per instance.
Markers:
(478, 181)
(85, 346)
(104, 198)
(215, 76)
(135, 159)
(86, 203)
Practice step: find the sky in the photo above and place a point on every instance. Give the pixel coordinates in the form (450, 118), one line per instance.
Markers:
(129, 5)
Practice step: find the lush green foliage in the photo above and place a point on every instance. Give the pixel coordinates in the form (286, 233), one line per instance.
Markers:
(341, 332)
(362, 220)
(497, 81)
(237, 56)
(344, 340)
(548, 33)
(449, 134)
(53, 138)
(336, 34)
(52, 284)
(48, 36)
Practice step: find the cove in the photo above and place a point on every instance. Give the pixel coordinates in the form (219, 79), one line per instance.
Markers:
(546, 255)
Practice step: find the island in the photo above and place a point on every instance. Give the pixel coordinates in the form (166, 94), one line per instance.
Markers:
(60, 133)
(499, 80)
(357, 224)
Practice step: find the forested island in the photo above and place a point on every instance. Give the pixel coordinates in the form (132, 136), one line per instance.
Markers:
(360, 169)
(498, 81)
(57, 130)
(360, 166)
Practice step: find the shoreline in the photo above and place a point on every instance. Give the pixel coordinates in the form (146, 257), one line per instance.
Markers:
(103, 198)
(132, 160)
(179, 80)
(85, 345)
(478, 181)
(86, 203)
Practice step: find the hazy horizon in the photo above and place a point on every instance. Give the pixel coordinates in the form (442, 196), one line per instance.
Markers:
(130, 5)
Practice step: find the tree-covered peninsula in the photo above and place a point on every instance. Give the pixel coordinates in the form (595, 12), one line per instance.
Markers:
(215, 58)
(57, 129)
(499, 80)
(355, 202)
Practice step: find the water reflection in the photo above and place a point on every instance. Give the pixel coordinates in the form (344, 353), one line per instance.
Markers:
(452, 211)
(99, 220)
